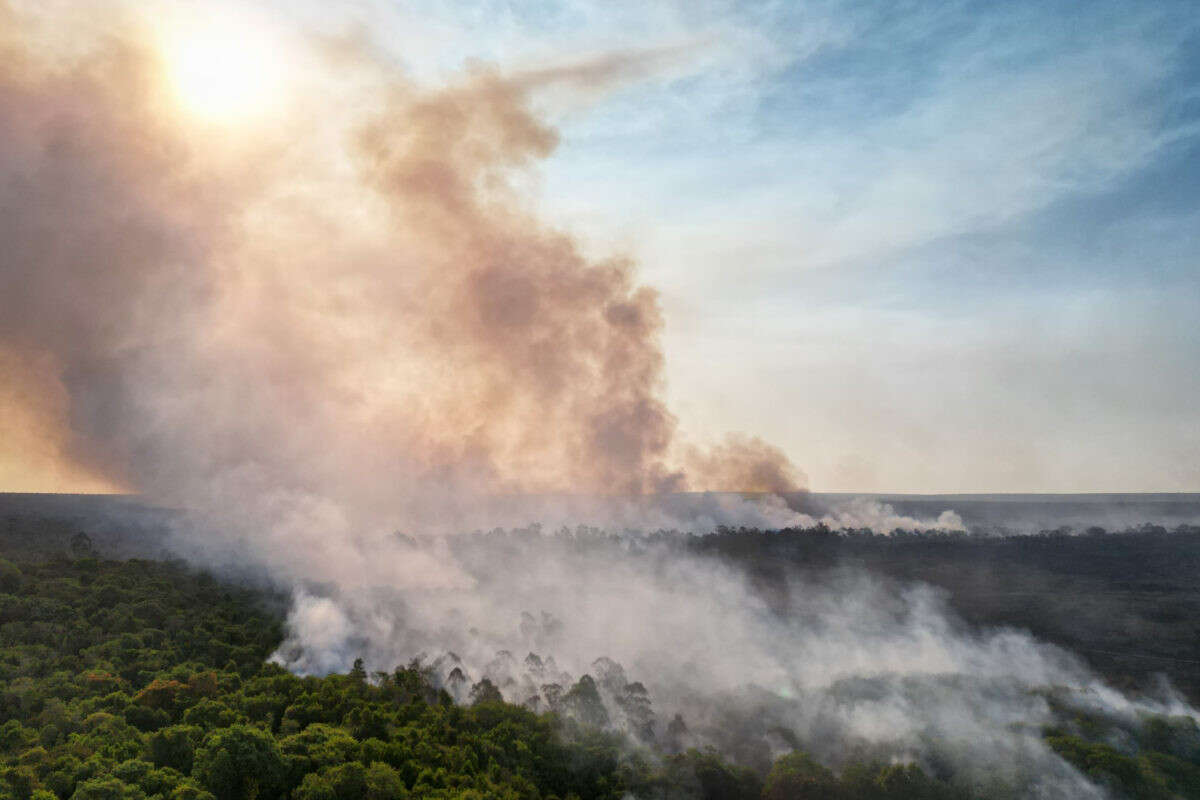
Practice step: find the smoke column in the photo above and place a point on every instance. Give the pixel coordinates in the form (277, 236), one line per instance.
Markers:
(317, 328)
(351, 306)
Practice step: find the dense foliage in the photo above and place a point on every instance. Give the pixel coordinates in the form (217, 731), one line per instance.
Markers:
(138, 679)
(131, 679)
(1156, 760)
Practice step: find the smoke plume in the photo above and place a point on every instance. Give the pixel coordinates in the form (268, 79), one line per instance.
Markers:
(318, 328)
(362, 311)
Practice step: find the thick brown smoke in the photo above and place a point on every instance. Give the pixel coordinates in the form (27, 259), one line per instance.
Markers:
(350, 301)
(746, 464)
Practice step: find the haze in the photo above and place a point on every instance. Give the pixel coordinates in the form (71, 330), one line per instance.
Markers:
(466, 370)
(947, 249)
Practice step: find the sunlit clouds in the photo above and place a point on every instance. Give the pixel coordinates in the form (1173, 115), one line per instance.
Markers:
(223, 66)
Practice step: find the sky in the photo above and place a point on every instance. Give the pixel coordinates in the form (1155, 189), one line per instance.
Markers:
(919, 247)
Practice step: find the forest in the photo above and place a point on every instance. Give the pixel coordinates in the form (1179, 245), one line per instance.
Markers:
(1126, 601)
(131, 678)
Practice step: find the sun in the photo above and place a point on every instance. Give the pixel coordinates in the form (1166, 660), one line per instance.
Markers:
(224, 70)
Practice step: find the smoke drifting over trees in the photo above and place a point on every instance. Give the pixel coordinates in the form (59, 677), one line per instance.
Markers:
(331, 326)
(841, 664)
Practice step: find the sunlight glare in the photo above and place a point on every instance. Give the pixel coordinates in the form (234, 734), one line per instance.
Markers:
(224, 71)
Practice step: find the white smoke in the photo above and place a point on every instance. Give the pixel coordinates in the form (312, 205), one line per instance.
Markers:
(838, 661)
(859, 513)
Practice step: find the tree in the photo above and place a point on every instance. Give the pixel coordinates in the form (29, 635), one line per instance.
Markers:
(676, 733)
(187, 790)
(321, 745)
(81, 546)
(160, 694)
(106, 789)
(10, 577)
(583, 703)
(909, 782)
(352, 781)
(349, 781)
(239, 763)
(718, 780)
(384, 783)
(314, 787)
(174, 746)
(634, 701)
(366, 722)
(485, 692)
(797, 777)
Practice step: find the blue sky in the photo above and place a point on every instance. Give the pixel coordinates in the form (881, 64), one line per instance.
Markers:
(920, 246)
